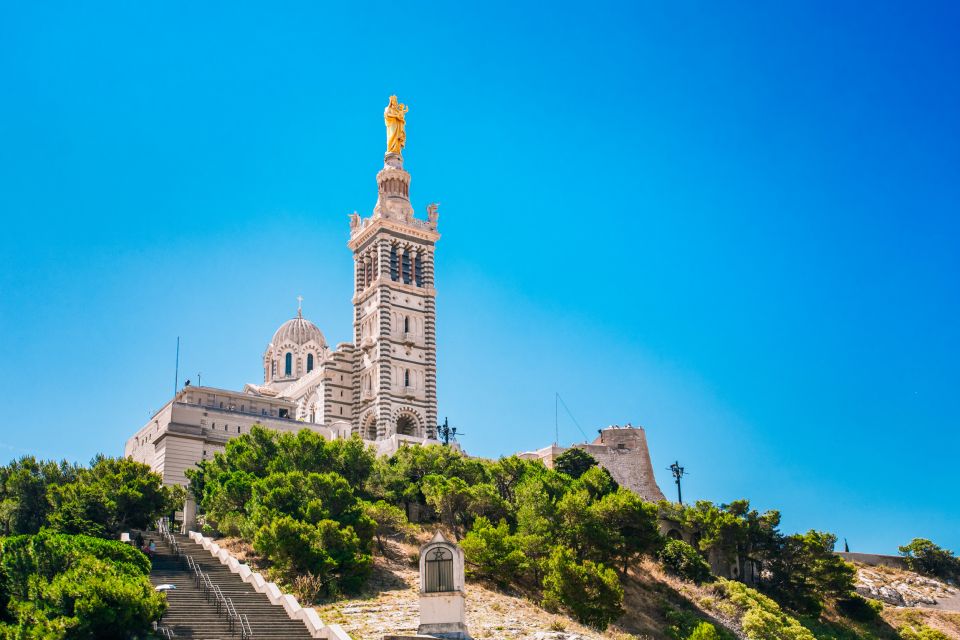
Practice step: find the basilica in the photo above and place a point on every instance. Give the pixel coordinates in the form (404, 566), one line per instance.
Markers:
(382, 386)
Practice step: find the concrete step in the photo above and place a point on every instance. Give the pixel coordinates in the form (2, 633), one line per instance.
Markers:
(192, 614)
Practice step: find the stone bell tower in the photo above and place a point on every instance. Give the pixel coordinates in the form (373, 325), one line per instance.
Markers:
(395, 369)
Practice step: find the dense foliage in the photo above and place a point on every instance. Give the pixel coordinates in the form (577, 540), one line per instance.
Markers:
(56, 586)
(683, 561)
(923, 556)
(299, 499)
(109, 496)
(56, 580)
(801, 571)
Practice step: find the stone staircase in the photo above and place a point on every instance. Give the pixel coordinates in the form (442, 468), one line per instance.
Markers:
(196, 609)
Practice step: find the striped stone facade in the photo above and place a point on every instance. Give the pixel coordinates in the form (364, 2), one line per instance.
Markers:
(395, 361)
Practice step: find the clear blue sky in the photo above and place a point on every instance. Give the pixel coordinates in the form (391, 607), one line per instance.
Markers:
(732, 223)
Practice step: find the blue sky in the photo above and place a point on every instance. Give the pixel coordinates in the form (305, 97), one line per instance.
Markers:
(733, 224)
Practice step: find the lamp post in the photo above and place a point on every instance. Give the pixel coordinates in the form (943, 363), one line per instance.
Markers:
(677, 472)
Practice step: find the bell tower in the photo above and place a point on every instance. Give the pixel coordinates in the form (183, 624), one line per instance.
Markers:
(394, 303)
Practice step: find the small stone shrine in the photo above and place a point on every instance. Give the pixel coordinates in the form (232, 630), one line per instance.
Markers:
(442, 594)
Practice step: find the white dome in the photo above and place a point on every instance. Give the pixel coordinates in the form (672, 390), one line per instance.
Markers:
(299, 331)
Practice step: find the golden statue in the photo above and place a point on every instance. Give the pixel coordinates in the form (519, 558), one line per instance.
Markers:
(394, 116)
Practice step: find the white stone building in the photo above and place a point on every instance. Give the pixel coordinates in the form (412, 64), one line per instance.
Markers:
(382, 386)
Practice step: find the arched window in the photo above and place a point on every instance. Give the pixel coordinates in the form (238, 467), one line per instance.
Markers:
(394, 270)
(418, 271)
(405, 266)
(309, 362)
(406, 378)
(288, 367)
(439, 570)
(406, 324)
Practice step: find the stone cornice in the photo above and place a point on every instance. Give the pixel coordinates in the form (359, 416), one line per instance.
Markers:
(372, 225)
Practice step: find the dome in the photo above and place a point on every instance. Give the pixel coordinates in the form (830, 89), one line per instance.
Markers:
(299, 331)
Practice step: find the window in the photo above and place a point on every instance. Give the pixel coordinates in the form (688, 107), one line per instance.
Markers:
(439, 570)
(418, 270)
(405, 265)
(284, 413)
(406, 378)
(406, 324)
(288, 366)
(394, 271)
(309, 362)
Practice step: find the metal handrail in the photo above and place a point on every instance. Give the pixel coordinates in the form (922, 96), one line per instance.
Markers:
(245, 630)
(238, 622)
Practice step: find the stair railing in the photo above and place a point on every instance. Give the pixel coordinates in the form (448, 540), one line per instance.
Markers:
(238, 622)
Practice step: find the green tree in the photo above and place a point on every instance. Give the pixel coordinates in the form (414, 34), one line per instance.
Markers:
(24, 507)
(113, 495)
(806, 571)
(391, 522)
(923, 556)
(574, 462)
(627, 527)
(493, 552)
(450, 498)
(591, 591)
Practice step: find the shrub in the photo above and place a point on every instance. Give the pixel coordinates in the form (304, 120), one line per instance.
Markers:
(858, 608)
(704, 631)
(589, 590)
(763, 619)
(683, 561)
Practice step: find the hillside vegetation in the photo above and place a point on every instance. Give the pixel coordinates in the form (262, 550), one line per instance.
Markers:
(569, 540)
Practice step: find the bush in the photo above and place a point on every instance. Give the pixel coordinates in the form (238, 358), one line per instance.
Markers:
(589, 590)
(858, 608)
(683, 561)
(704, 631)
(332, 554)
(64, 586)
(763, 619)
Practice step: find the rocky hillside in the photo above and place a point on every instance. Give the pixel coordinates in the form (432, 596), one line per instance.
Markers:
(906, 589)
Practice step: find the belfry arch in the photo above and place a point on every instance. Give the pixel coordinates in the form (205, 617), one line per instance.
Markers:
(408, 424)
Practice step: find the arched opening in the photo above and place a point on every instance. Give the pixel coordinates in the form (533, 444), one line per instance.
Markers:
(309, 362)
(406, 324)
(439, 570)
(406, 425)
(369, 431)
(673, 534)
(394, 270)
(288, 364)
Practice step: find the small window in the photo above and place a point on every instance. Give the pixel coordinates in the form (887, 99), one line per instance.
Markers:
(406, 378)
(238, 428)
(406, 324)
(288, 365)
(439, 570)
(309, 362)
